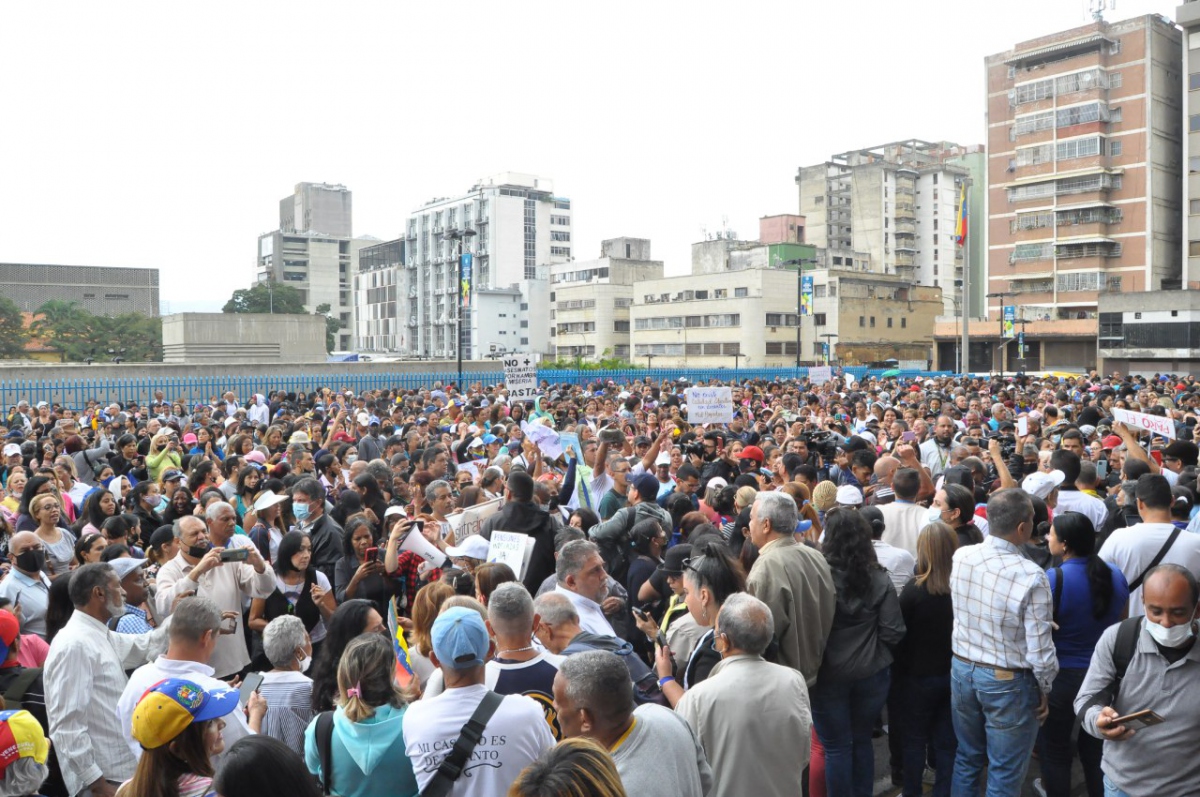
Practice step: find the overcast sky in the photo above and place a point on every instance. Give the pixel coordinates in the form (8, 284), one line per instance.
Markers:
(144, 134)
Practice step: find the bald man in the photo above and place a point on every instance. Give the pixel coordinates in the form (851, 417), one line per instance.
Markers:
(885, 469)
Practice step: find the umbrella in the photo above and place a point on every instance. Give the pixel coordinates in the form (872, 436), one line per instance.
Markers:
(891, 372)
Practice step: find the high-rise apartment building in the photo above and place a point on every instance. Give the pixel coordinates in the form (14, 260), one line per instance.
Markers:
(515, 229)
(592, 299)
(1084, 183)
(1188, 16)
(378, 286)
(314, 251)
(895, 207)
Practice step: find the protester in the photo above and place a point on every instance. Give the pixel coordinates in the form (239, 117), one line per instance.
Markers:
(573, 768)
(286, 688)
(258, 765)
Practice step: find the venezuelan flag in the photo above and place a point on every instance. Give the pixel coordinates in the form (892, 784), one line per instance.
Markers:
(404, 670)
(960, 227)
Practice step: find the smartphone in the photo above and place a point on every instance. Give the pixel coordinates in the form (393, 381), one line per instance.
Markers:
(249, 686)
(371, 555)
(235, 554)
(908, 437)
(1102, 468)
(1139, 719)
(641, 615)
(660, 639)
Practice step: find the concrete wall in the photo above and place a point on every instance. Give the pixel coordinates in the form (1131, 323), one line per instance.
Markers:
(236, 337)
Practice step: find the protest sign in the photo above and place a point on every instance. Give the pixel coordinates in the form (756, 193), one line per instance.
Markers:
(1155, 424)
(469, 521)
(416, 542)
(1023, 425)
(571, 440)
(545, 438)
(513, 549)
(709, 405)
(820, 374)
(473, 467)
(520, 376)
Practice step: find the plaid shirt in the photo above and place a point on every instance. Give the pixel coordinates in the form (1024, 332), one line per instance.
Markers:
(407, 571)
(1002, 610)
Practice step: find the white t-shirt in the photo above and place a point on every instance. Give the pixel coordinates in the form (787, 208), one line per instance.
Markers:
(1132, 549)
(292, 593)
(1089, 506)
(514, 737)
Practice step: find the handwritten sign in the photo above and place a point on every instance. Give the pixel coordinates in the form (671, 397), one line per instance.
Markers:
(513, 549)
(470, 520)
(820, 374)
(709, 405)
(1155, 424)
(423, 548)
(520, 376)
(472, 467)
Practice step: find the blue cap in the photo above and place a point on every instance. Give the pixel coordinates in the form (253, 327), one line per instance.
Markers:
(460, 639)
(488, 439)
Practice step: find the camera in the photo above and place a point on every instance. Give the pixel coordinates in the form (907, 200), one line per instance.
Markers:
(693, 449)
(822, 443)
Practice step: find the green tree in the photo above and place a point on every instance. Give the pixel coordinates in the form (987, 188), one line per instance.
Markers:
(13, 335)
(78, 335)
(332, 325)
(265, 297)
(66, 327)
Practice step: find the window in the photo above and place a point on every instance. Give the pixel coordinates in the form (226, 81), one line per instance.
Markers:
(524, 341)
(889, 323)
(903, 322)
(556, 235)
(862, 321)
(819, 319)
(1194, 164)
(561, 221)
(1114, 80)
(1078, 148)
(872, 322)
(561, 251)
(524, 325)
(1115, 115)
(741, 293)
(620, 326)
(1082, 114)
(1114, 148)
(1194, 81)
(1193, 247)
(833, 289)
(1194, 207)
(524, 305)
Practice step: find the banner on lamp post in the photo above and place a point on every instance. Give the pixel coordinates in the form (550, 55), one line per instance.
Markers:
(806, 295)
(464, 267)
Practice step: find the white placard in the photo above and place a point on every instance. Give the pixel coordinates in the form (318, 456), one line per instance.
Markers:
(545, 438)
(709, 405)
(513, 549)
(472, 468)
(470, 520)
(520, 376)
(423, 548)
(1148, 423)
(820, 374)
(1023, 425)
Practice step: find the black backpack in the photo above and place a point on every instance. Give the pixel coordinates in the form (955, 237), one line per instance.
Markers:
(1124, 647)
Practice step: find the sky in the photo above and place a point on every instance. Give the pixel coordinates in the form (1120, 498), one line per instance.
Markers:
(164, 135)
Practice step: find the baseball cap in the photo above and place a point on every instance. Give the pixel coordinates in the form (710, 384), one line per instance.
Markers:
(172, 475)
(21, 736)
(474, 547)
(1041, 484)
(126, 564)
(488, 439)
(752, 452)
(1111, 442)
(256, 457)
(190, 439)
(647, 486)
(849, 495)
(716, 481)
(460, 639)
(167, 708)
(675, 558)
(10, 629)
(363, 419)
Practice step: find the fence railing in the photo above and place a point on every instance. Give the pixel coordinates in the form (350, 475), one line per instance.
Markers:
(77, 392)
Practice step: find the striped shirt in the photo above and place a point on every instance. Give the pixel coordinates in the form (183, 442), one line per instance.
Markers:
(1002, 610)
(289, 706)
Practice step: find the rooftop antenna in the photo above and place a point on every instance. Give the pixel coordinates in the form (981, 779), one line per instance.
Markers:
(1097, 8)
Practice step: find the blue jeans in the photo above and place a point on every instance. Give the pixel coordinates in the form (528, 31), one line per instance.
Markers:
(995, 720)
(1056, 750)
(844, 716)
(927, 720)
(1110, 788)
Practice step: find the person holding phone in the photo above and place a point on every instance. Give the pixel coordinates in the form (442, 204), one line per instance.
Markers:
(360, 572)
(301, 590)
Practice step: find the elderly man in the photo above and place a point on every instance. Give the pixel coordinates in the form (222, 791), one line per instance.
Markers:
(308, 504)
(26, 585)
(750, 711)
(794, 581)
(655, 751)
(583, 581)
(1004, 660)
(1162, 675)
(84, 679)
(203, 569)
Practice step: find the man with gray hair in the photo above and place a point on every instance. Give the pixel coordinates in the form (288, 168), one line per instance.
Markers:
(583, 580)
(440, 497)
(749, 711)
(192, 638)
(655, 751)
(794, 581)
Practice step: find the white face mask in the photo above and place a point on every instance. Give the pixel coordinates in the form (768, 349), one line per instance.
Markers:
(305, 663)
(933, 515)
(1174, 637)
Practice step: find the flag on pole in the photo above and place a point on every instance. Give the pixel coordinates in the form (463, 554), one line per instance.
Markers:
(404, 670)
(960, 226)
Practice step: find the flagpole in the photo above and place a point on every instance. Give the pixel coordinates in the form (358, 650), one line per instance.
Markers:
(966, 285)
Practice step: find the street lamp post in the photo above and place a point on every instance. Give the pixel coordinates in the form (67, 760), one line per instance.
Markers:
(737, 358)
(1000, 345)
(461, 298)
(829, 346)
(649, 360)
(799, 263)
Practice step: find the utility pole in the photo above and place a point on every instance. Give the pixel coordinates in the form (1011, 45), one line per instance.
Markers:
(462, 291)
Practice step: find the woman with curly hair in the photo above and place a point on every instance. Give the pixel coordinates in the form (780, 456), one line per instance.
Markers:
(852, 684)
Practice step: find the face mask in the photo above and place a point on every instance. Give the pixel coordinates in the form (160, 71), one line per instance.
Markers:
(1174, 637)
(32, 560)
(351, 459)
(305, 663)
(934, 515)
(300, 511)
(198, 551)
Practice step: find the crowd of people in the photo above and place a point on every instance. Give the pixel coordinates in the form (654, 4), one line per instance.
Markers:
(310, 593)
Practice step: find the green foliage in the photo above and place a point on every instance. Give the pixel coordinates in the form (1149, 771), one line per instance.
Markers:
(332, 325)
(13, 336)
(265, 297)
(78, 335)
(606, 364)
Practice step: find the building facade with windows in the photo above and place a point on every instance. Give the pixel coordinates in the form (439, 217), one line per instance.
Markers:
(1188, 17)
(1149, 333)
(515, 230)
(379, 281)
(315, 252)
(1084, 182)
(100, 290)
(591, 299)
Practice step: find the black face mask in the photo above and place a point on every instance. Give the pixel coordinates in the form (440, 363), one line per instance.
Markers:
(32, 560)
(198, 551)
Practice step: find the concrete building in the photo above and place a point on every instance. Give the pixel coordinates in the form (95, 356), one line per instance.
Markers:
(100, 290)
(1149, 333)
(895, 205)
(194, 338)
(516, 229)
(592, 299)
(781, 228)
(1084, 181)
(317, 260)
(1188, 17)
(379, 281)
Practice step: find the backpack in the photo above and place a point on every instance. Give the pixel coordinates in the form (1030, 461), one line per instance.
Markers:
(1124, 647)
(15, 693)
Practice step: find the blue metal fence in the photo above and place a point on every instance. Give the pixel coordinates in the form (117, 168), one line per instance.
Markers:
(76, 392)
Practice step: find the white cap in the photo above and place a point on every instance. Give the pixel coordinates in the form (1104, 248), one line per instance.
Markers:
(126, 565)
(363, 419)
(1041, 484)
(394, 510)
(474, 547)
(12, 450)
(849, 495)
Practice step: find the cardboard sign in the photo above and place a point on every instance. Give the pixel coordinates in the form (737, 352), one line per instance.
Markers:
(520, 377)
(423, 548)
(470, 520)
(545, 438)
(1155, 424)
(1023, 425)
(709, 405)
(820, 374)
(513, 549)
